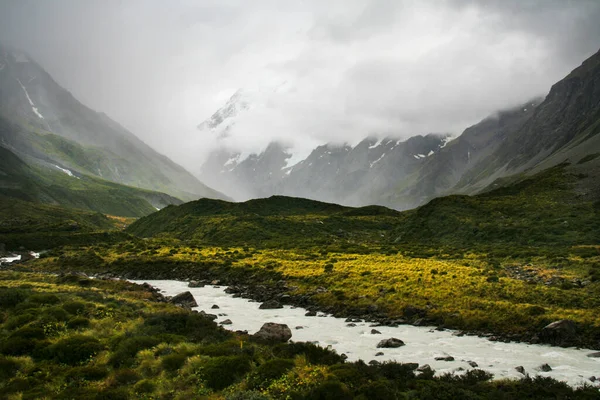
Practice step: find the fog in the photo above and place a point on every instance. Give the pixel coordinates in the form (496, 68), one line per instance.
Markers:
(314, 71)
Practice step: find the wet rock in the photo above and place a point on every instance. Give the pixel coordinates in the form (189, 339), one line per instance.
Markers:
(185, 299)
(299, 327)
(412, 366)
(420, 322)
(473, 364)
(351, 325)
(444, 358)
(215, 282)
(558, 332)
(424, 369)
(273, 332)
(226, 322)
(374, 362)
(594, 355)
(520, 369)
(209, 316)
(270, 305)
(195, 284)
(310, 314)
(592, 378)
(215, 307)
(375, 332)
(545, 368)
(390, 343)
(379, 353)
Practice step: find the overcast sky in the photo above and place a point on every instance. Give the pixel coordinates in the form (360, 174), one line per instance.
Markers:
(348, 68)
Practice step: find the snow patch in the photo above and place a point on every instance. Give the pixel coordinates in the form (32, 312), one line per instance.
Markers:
(376, 161)
(430, 153)
(66, 171)
(376, 144)
(232, 160)
(445, 141)
(33, 107)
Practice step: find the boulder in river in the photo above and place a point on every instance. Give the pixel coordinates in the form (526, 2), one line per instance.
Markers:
(558, 333)
(444, 358)
(226, 322)
(310, 314)
(390, 343)
(520, 369)
(270, 304)
(545, 368)
(185, 299)
(215, 307)
(594, 355)
(375, 332)
(195, 284)
(273, 332)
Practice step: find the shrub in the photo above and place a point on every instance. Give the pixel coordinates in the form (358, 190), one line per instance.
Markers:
(12, 297)
(220, 372)
(144, 386)
(313, 353)
(125, 376)
(78, 323)
(329, 390)
(74, 307)
(8, 368)
(29, 332)
(173, 362)
(18, 320)
(56, 314)
(269, 371)
(128, 348)
(247, 395)
(87, 373)
(74, 350)
(378, 390)
(17, 346)
(44, 298)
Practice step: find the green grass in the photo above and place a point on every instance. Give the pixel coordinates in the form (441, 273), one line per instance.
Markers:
(47, 185)
(72, 337)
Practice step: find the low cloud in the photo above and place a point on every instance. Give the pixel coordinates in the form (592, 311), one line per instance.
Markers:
(317, 71)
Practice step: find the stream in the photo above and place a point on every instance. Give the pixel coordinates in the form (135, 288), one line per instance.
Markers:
(423, 344)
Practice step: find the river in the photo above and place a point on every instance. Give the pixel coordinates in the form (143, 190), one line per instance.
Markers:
(423, 344)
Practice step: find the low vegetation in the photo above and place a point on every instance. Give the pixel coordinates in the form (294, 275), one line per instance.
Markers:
(69, 337)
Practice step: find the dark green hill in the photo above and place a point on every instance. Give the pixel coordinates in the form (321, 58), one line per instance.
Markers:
(42, 226)
(275, 221)
(48, 184)
(545, 210)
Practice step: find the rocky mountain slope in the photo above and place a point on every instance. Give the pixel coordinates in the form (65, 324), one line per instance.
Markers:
(525, 139)
(42, 122)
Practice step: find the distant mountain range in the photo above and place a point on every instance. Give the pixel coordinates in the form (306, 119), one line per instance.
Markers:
(403, 174)
(51, 135)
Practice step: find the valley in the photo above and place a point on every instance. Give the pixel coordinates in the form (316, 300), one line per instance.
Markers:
(390, 262)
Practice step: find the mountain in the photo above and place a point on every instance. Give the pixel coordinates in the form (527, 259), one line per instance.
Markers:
(41, 122)
(543, 210)
(48, 184)
(526, 139)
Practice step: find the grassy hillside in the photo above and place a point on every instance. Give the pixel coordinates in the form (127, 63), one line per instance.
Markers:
(546, 210)
(67, 337)
(41, 226)
(274, 222)
(45, 183)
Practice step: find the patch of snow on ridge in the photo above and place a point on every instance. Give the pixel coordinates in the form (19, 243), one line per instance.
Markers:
(376, 161)
(232, 160)
(66, 171)
(431, 152)
(445, 141)
(33, 107)
(376, 144)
